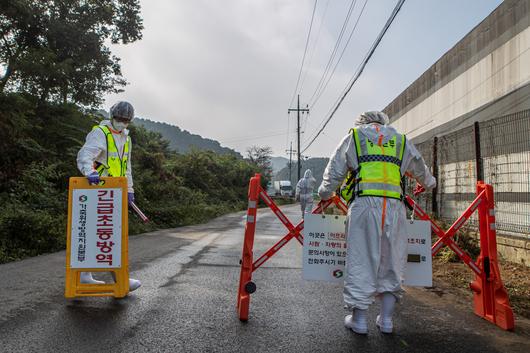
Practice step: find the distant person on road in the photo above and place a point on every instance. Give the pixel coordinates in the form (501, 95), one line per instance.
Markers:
(378, 157)
(107, 152)
(304, 191)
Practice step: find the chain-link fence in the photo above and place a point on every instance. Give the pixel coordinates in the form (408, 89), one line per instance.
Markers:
(502, 148)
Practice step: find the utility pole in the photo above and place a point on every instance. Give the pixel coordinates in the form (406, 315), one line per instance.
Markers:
(291, 152)
(298, 110)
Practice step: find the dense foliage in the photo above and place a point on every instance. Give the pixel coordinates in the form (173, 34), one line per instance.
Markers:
(54, 57)
(57, 50)
(38, 150)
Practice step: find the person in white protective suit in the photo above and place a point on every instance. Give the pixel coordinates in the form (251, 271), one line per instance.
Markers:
(378, 157)
(107, 152)
(304, 191)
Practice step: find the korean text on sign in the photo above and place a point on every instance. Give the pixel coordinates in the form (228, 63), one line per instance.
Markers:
(96, 228)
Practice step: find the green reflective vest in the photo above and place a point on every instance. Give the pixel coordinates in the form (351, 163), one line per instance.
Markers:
(379, 168)
(116, 164)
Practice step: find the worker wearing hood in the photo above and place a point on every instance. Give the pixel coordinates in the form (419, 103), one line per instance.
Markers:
(304, 191)
(379, 157)
(107, 152)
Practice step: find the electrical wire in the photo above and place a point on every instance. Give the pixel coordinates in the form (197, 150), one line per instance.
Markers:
(305, 51)
(340, 58)
(335, 48)
(359, 70)
(314, 46)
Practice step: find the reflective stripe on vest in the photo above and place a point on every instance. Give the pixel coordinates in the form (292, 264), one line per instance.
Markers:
(379, 166)
(116, 165)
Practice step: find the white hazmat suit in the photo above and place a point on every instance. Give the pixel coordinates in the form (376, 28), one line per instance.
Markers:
(95, 150)
(304, 191)
(377, 243)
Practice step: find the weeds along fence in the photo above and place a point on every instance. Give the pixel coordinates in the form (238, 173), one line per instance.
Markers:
(497, 151)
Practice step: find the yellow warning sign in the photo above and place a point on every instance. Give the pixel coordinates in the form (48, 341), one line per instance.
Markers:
(97, 236)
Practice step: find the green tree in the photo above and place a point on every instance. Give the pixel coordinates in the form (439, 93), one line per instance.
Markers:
(38, 150)
(56, 49)
(260, 156)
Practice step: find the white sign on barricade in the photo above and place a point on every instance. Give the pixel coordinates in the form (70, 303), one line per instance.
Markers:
(96, 228)
(324, 252)
(419, 260)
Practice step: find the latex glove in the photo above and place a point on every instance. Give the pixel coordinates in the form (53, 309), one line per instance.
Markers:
(418, 189)
(130, 197)
(93, 178)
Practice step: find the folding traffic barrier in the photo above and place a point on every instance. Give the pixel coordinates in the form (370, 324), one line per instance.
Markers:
(491, 300)
(248, 266)
(97, 236)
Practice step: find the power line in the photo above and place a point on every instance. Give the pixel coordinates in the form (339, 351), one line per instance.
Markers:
(360, 69)
(340, 58)
(305, 123)
(313, 48)
(305, 51)
(334, 51)
(298, 110)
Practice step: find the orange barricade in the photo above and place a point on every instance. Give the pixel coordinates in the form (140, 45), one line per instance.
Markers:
(248, 266)
(491, 300)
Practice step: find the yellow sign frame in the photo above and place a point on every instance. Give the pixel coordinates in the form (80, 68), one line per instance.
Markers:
(73, 286)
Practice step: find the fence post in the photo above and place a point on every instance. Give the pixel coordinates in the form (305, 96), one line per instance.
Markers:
(434, 203)
(478, 156)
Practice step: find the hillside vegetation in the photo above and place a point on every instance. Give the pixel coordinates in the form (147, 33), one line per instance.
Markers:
(38, 150)
(56, 66)
(183, 141)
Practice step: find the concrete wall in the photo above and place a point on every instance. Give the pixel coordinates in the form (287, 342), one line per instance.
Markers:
(498, 70)
(484, 76)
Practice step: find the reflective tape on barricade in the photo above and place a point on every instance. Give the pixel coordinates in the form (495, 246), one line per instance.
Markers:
(97, 236)
(246, 286)
(491, 300)
(490, 296)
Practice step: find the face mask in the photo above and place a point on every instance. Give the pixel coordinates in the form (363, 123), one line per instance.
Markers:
(119, 126)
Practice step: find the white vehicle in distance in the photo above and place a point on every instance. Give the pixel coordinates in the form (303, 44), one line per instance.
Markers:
(283, 188)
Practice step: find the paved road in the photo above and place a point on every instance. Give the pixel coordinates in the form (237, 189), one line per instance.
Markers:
(187, 304)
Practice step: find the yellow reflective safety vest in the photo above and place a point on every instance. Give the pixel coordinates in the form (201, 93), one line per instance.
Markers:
(379, 168)
(116, 164)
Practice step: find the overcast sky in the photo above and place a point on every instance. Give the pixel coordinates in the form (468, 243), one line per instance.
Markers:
(227, 69)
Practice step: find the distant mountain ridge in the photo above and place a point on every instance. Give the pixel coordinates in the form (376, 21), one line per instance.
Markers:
(183, 141)
(278, 163)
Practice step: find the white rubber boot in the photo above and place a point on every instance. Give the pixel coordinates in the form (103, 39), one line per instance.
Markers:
(384, 319)
(357, 322)
(86, 278)
(134, 284)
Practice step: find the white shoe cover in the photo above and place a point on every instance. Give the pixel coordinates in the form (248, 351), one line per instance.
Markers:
(384, 325)
(134, 284)
(359, 325)
(86, 278)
